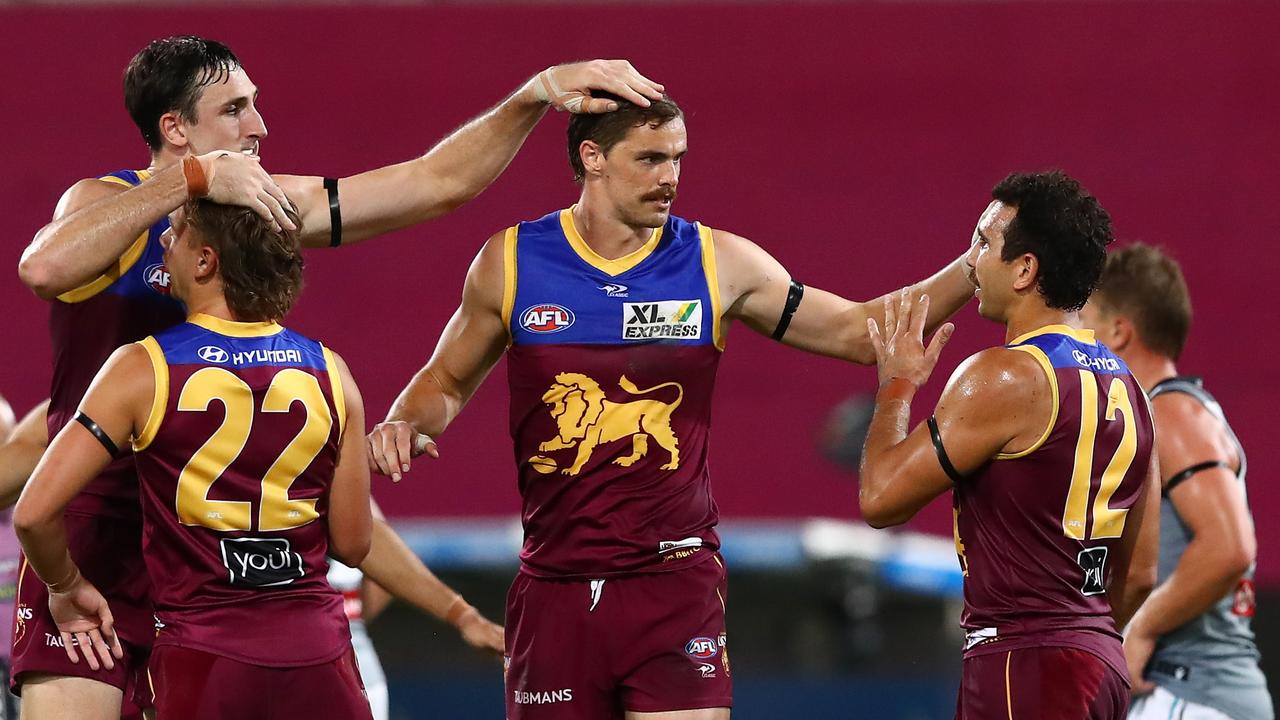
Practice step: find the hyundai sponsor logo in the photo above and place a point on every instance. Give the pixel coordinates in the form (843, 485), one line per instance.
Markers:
(213, 354)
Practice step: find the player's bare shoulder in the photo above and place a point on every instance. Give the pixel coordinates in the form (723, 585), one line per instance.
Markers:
(1006, 390)
(742, 267)
(1190, 432)
(84, 193)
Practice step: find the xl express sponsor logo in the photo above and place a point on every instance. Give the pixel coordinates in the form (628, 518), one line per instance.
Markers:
(674, 319)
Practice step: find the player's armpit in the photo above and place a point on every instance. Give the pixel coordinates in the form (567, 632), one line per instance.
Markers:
(350, 516)
(20, 454)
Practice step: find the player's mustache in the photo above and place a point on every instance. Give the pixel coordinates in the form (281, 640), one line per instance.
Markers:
(663, 194)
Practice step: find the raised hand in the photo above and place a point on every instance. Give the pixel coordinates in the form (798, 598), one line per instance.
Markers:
(239, 179)
(393, 445)
(569, 87)
(85, 624)
(900, 350)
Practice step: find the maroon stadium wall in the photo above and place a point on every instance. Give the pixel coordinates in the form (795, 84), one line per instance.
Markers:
(857, 142)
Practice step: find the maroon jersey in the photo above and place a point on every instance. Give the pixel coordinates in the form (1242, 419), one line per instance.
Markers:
(1036, 531)
(611, 369)
(127, 303)
(235, 464)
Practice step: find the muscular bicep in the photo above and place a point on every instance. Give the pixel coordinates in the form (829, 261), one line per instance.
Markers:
(1208, 497)
(755, 288)
(118, 402)
(472, 343)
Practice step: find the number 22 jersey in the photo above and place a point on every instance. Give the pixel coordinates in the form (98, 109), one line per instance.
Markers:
(235, 465)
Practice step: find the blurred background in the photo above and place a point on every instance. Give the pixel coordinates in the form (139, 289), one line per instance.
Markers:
(856, 141)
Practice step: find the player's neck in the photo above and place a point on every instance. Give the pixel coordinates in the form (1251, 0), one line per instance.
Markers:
(166, 157)
(204, 301)
(1033, 316)
(604, 233)
(1148, 367)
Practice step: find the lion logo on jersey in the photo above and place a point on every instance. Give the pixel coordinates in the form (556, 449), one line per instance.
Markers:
(585, 419)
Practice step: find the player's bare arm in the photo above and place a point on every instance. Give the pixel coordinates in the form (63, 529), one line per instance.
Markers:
(350, 519)
(118, 403)
(472, 343)
(96, 220)
(998, 400)
(20, 454)
(754, 288)
(1133, 572)
(396, 569)
(1212, 505)
(466, 162)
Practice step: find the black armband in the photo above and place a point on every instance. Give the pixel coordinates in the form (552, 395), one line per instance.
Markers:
(794, 294)
(941, 452)
(335, 212)
(98, 433)
(1178, 479)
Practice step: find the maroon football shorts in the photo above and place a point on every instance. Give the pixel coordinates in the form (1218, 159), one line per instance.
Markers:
(592, 649)
(196, 685)
(108, 551)
(1046, 683)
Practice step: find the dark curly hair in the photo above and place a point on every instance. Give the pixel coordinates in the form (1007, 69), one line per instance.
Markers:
(1146, 285)
(1064, 226)
(168, 75)
(608, 129)
(261, 269)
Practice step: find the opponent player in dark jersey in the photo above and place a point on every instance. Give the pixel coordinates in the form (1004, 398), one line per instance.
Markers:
(249, 450)
(99, 262)
(613, 314)
(1047, 445)
(1190, 647)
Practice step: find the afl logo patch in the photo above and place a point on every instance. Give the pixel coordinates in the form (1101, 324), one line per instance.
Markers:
(157, 278)
(546, 318)
(702, 648)
(213, 354)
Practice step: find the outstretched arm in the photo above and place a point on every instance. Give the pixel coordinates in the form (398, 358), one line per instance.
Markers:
(397, 569)
(118, 401)
(19, 456)
(472, 343)
(754, 287)
(96, 221)
(466, 162)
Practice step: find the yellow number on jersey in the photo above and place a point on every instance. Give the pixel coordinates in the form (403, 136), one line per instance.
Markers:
(1107, 521)
(276, 511)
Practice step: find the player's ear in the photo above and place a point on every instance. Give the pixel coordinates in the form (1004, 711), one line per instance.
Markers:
(592, 157)
(1028, 272)
(206, 263)
(173, 130)
(1122, 332)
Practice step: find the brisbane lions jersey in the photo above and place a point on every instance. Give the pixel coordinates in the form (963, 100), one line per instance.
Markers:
(611, 368)
(128, 302)
(1037, 531)
(235, 463)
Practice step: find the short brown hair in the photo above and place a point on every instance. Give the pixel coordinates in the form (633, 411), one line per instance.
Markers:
(608, 129)
(261, 268)
(1145, 285)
